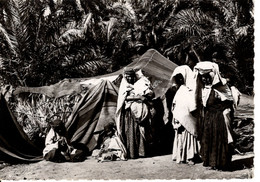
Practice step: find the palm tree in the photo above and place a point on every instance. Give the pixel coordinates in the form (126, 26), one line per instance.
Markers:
(50, 40)
(36, 44)
(65, 39)
(10, 33)
(212, 30)
(236, 35)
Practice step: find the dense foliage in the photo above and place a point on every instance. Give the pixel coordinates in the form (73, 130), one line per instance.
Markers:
(44, 41)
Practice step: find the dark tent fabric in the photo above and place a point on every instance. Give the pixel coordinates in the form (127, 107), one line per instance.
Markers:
(14, 144)
(98, 105)
(96, 109)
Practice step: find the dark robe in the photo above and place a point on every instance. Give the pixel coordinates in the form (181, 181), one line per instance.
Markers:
(215, 150)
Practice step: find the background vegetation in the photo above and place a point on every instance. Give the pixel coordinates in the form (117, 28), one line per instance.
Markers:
(44, 41)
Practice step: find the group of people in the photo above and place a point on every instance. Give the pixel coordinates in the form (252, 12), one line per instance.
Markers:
(201, 109)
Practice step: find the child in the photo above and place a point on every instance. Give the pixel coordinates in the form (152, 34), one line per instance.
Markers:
(111, 148)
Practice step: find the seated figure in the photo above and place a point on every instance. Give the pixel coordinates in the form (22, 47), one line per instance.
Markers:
(57, 148)
(111, 149)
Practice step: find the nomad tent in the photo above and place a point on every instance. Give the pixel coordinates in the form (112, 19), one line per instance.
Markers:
(92, 112)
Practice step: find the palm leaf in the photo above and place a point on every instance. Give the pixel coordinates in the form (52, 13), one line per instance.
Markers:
(87, 21)
(125, 8)
(75, 33)
(242, 31)
(110, 26)
(192, 22)
(70, 35)
(228, 8)
(9, 39)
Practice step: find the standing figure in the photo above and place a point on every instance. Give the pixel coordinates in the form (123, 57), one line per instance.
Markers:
(214, 100)
(185, 145)
(133, 113)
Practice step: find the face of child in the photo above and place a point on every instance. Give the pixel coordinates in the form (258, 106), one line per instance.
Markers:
(109, 130)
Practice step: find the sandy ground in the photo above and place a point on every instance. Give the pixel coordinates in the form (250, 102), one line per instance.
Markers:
(158, 167)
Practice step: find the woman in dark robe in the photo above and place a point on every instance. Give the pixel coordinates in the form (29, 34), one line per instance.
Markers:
(214, 100)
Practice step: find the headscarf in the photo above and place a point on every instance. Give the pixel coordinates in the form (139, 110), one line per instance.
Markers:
(218, 83)
(187, 74)
(56, 123)
(59, 127)
(129, 71)
(212, 68)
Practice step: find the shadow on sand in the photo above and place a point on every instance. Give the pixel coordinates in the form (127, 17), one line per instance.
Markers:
(240, 164)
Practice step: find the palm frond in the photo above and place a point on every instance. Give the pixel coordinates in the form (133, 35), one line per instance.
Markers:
(75, 33)
(79, 6)
(9, 39)
(47, 11)
(242, 31)
(125, 8)
(70, 35)
(11, 12)
(87, 20)
(192, 22)
(1, 63)
(111, 23)
(228, 8)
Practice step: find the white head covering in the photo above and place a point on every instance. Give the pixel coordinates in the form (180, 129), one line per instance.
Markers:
(212, 68)
(187, 74)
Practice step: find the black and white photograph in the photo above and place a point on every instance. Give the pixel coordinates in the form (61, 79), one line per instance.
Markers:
(128, 90)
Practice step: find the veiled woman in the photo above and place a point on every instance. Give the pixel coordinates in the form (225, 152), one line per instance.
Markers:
(132, 114)
(185, 146)
(214, 99)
